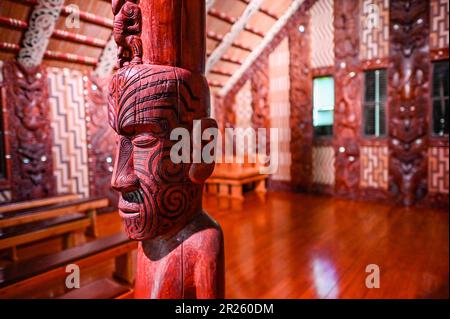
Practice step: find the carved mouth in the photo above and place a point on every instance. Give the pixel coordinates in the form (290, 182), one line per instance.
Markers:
(130, 203)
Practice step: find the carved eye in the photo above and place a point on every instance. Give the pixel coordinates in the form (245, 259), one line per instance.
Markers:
(145, 141)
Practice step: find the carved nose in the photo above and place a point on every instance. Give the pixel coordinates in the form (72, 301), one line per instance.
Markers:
(126, 184)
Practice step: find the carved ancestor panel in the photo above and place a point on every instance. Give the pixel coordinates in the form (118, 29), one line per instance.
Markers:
(374, 167)
(374, 29)
(439, 24)
(30, 136)
(41, 24)
(301, 104)
(322, 34)
(323, 165)
(409, 95)
(69, 130)
(438, 170)
(280, 108)
(348, 97)
(100, 138)
(260, 95)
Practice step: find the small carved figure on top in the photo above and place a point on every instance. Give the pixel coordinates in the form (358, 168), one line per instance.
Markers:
(127, 31)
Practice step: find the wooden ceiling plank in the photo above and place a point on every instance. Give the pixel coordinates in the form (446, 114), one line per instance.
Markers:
(54, 55)
(219, 38)
(264, 10)
(295, 5)
(36, 38)
(57, 34)
(230, 20)
(231, 36)
(84, 16)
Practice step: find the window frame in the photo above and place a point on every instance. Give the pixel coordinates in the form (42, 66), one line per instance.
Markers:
(323, 137)
(432, 135)
(386, 106)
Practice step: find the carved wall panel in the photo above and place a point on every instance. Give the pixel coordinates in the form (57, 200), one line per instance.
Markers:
(374, 167)
(69, 130)
(439, 24)
(100, 139)
(374, 29)
(30, 135)
(347, 114)
(280, 108)
(438, 170)
(260, 95)
(409, 99)
(322, 34)
(323, 159)
(301, 105)
(243, 111)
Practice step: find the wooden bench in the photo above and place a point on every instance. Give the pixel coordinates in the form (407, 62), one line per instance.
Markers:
(70, 218)
(22, 277)
(7, 208)
(229, 179)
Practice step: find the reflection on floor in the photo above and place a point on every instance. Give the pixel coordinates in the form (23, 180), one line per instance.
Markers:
(298, 246)
(285, 245)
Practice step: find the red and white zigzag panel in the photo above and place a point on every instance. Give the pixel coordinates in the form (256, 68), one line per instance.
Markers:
(280, 108)
(322, 34)
(374, 167)
(438, 170)
(374, 32)
(323, 165)
(69, 130)
(439, 24)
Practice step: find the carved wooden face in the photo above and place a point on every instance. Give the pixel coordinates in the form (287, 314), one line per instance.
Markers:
(146, 103)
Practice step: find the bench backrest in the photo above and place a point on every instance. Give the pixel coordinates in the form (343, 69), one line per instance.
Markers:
(7, 208)
(114, 246)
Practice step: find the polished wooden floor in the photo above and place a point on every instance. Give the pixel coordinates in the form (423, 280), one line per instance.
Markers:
(297, 246)
(286, 245)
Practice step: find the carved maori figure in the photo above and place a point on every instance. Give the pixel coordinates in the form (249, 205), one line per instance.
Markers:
(181, 249)
(31, 138)
(127, 31)
(409, 95)
(348, 99)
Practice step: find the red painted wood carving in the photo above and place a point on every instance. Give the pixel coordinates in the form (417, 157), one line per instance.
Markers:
(301, 105)
(30, 135)
(101, 150)
(348, 97)
(409, 94)
(181, 249)
(127, 31)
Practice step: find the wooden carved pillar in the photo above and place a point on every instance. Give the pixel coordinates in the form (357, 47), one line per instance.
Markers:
(409, 99)
(301, 104)
(160, 87)
(347, 115)
(30, 136)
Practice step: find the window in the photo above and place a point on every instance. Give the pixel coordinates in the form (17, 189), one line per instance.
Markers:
(440, 98)
(323, 106)
(374, 108)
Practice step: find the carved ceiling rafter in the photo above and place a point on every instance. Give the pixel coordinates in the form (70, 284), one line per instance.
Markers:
(235, 31)
(40, 28)
(276, 28)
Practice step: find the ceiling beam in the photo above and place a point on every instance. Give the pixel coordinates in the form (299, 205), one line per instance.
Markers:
(40, 28)
(52, 55)
(57, 34)
(219, 38)
(262, 46)
(231, 36)
(264, 10)
(230, 20)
